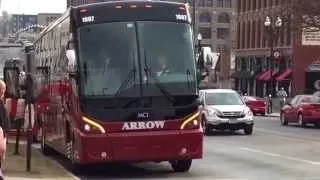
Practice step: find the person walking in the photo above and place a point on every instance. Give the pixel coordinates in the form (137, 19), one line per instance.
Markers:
(282, 95)
(4, 126)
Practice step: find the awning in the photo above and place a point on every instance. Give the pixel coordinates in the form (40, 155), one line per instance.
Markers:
(284, 75)
(266, 75)
(261, 77)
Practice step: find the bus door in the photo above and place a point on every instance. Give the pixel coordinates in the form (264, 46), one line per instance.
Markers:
(41, 95)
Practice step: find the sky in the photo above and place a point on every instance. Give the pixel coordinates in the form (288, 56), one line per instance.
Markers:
(33, 6)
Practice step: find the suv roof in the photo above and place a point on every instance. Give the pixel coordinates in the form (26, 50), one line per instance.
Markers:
(219, 91)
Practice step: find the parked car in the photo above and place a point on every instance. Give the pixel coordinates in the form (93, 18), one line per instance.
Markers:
(303, 109)
(256, 104)
(224, 109)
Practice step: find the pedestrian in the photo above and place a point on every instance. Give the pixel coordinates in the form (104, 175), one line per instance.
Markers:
(282, 95)
(4, 125)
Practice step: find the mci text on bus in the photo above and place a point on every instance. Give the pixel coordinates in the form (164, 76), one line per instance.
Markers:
(118, 84)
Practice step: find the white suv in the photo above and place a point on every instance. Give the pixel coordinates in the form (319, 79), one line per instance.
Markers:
(224, 109)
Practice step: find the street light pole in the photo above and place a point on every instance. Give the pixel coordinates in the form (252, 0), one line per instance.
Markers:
(29, 49)
(194, 17)
(273, 36)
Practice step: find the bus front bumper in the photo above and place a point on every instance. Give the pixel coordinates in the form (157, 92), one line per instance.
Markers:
(153, 146)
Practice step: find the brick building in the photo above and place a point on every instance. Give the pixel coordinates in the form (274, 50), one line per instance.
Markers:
(215, 21)
(253, 50)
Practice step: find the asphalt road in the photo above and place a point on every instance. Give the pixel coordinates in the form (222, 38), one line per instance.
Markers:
(272, 152)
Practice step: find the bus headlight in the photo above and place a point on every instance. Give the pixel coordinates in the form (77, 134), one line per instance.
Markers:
(90, 125)
(87, 127)
(191, 122)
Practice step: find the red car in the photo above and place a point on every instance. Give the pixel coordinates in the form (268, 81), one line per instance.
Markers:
(302, 109)
(256, 104)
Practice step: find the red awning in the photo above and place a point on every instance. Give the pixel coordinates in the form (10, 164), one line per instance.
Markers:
(267, 77)
(284, 75)
(261, 77)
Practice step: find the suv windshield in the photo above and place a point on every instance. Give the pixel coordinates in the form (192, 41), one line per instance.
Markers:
(223, 99)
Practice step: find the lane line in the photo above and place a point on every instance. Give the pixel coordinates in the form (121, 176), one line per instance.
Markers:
(290, 136)
(317, 163)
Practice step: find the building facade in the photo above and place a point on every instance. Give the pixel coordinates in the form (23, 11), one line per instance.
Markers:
(21, 21)
(215, 21)
(258, 68)
(47, 18)
(270, 56)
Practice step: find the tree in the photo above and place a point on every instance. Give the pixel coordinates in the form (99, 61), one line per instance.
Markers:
(304, 14)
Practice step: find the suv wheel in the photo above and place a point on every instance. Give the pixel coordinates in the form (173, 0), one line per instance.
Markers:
(248, 129)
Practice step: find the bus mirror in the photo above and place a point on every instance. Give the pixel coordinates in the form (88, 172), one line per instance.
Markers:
(72, 62)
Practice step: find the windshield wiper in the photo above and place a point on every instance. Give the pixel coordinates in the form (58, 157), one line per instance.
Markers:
(163, 90)
(131, 74)
(188, 78)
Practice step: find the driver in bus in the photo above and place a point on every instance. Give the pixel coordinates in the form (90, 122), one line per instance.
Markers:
(162, 66)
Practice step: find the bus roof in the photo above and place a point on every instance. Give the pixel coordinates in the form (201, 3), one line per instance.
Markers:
(117, 11)
(113, 11)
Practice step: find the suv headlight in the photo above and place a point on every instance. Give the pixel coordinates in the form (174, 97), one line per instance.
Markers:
(213, 113)
(247, 112)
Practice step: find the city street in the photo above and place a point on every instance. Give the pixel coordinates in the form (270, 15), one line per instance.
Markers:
(272, 152)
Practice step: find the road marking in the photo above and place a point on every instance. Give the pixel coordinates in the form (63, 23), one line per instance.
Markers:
(289, 136)
(281, 156)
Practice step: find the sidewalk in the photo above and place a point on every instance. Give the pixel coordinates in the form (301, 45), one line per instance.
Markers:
(275, 114)
(14, 167)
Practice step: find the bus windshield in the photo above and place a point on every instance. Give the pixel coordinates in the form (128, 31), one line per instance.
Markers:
(113, 55)
(108, 53)
(167, 52)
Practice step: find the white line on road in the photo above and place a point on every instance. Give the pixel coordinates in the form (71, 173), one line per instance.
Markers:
(281, 156)
(289, 136)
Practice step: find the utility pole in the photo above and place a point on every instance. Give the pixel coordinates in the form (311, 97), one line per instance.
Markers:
(194, 18)
(29, 50)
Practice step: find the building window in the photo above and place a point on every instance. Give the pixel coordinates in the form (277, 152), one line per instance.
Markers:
(201, 3)
(209, 3)
(227, 3)
(224, 3)
(205, 32)
(223, 18)
(220, 3)
(238, 35)
(205, 18)
(223, 33)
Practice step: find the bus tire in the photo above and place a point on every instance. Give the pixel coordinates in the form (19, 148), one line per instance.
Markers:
(181, 165)
(75, 166)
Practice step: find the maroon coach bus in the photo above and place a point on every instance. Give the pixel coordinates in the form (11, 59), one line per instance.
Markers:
(118, 84)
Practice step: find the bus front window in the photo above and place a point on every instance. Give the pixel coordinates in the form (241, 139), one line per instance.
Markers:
(167, 53)
(108, 56)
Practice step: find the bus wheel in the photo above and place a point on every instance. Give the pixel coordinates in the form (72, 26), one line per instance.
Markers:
(75, 166)
(181, 165)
